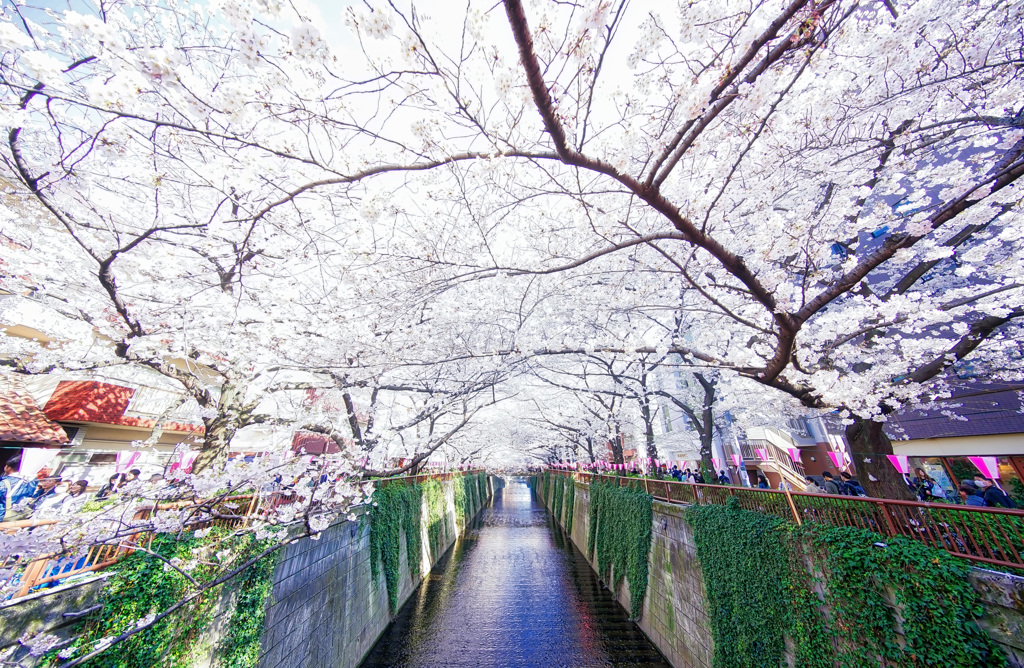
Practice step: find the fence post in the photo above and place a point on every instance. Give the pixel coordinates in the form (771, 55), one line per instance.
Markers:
(888, 519)
(792, 506)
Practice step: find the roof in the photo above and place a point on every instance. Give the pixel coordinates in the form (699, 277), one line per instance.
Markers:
(103, 403)
(21, 419)
(974, 410)
(314, 444)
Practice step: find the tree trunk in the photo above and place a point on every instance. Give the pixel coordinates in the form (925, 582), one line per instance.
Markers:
(645, 413)
(220, 429)
(617, 447)
(869, 446)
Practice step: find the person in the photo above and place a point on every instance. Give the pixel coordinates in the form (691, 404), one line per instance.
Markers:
(762, 482)
(994, 497)
(812, 486)
(676, 473)
(132, 475)
(852, 485)
(56, 491)
(922, 484)
(832, 486)
(76, 497)
(785, 486)
(112, 487)
(723, 479)
(969, 494)
(13, 491)
(687, 475)
(698, 477)
(46, 490)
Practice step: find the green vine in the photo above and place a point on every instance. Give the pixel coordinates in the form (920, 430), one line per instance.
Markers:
(396, 509)
(481, 479)
(570, 501)
(241, 646)
(141, 585)
(834, 593)
(745, 577)
(437, 517)
(620, 530)
(556, 497)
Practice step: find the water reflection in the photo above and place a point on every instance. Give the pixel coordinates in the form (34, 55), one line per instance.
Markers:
(513, 592)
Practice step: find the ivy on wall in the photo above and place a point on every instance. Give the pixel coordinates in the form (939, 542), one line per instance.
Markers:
(620, 534)
(481, 479)
(746, 576)
(834, 592)
(396, 509)
(570, 501)
(141, 586)
(556, 497)
(437, 517)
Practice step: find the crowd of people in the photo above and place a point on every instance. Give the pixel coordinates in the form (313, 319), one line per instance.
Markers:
(980, 491)
(48, 495)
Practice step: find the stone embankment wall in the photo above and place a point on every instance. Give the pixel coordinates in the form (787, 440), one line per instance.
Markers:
(675, 616)
(325, 609)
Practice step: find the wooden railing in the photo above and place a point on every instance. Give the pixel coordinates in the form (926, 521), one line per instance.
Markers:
(229, 512)
(986, 535)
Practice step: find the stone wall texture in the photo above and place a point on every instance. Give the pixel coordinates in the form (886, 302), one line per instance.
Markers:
(675, 616)
(326, 610)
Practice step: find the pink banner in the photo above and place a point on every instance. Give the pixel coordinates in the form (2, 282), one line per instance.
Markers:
(736, 460)
(717, 463)
(838, 460)
(794, 454)
(125, 459)
(989, 466)
(762, 454)
(900, 462)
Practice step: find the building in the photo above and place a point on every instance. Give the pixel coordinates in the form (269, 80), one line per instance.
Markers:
(981, 426)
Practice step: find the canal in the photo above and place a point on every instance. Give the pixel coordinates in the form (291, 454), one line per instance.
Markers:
(513, 592)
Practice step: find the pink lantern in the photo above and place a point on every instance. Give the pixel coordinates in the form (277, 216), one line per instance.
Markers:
(794, 454)
(989, 466)
(736, 460)
(762, 454)
(838, 459)
(900, 462)
(716, 462)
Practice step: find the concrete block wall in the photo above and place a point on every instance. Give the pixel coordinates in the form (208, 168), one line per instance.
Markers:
(326, 611)
(675, 616)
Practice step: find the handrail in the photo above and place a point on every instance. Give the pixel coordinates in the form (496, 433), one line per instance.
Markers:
(44, 570)
(987, 535)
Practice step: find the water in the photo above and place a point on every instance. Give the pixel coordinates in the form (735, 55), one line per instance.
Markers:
(513, 592)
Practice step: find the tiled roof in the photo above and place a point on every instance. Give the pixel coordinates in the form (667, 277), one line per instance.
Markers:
(92, 401)
(314, 444)
(22, 421)
(973, 410)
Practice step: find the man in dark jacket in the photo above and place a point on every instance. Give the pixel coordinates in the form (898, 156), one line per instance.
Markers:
(853, 486)
(832, 486)
(994, 497)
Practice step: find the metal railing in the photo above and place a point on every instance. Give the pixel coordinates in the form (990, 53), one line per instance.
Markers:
(228, 512)
(986, 535)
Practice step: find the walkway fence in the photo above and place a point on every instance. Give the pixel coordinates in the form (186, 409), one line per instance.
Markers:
(229, 512)
(991, 536)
